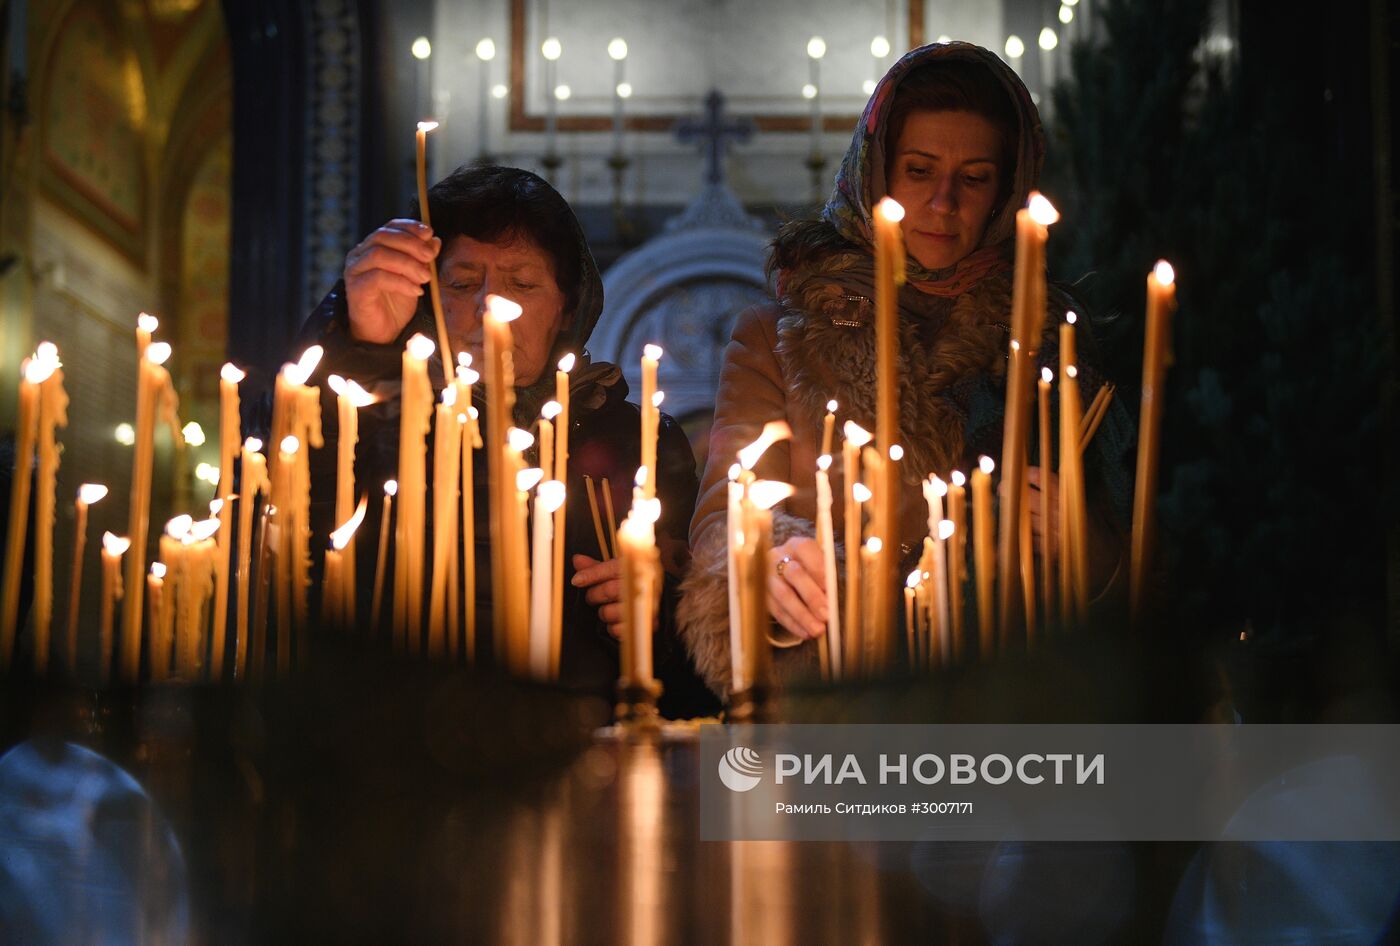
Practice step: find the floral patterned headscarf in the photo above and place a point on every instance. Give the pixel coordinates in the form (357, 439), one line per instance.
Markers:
(860, 182)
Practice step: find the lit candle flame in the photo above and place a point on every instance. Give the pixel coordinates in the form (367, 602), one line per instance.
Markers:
(946, 528)
(449, 396)
(193, 434)
(891, 209)
(773, 431)
(290, 445)
(391, 487)
(158, 353)
(856, 435)
(1164, 273)
(1041, 210)
(464, 359)
(1015, 345)
(526, 479)
(824, 462)
(937, 486)
(232, 373)
(115, 545)
(1071, 371)
(421, 347)
(641, 477)
(216, 506)
(646, 510)
(158, 570)
(566, 364)
(204, 529)
(657, 398)
(986, 464)
(873, 545)
(958, 478)
(1070, 317)
(551, 494)
(90, 493)
(1047, 375)
(253, 445)
(502, 309)
(765, 494)
(468, 376)
(652, 352)
(734, 471)
(831, 406)
(179, 527)
(519, 440)
(861, 493)
(426, 127)
(896, 453)
(551, 410)
(341, 536)
(38, 370)
(147, 323)
(914, 578)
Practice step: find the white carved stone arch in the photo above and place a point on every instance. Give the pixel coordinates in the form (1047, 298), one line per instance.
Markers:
(682, 291)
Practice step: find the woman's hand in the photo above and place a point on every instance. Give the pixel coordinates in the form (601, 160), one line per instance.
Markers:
(604, 583)
(384, 278)
(1104, 547)
(796, 592)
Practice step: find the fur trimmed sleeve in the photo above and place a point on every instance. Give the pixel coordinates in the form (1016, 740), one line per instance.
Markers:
(703, 614)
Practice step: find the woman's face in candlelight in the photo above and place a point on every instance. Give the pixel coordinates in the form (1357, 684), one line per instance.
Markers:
(517, 269)
(944, 173)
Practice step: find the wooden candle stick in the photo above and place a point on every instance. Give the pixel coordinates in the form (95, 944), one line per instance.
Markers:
(1161, 301)
(500, 404)
(983, 555)
(826, 538)
(855, 437)
(415, 419)
(33, 373)
(153, 390)
(113, 548)
(1028, 317)
(434, 289)
(561, 473)
(447, 455)
(889, 275)
(253, 469)
(549, 496)
(386, 513)
(53, 413)
(1047, 556)
(651, 414)
(88, 494)
(957, 558)
(350, 398)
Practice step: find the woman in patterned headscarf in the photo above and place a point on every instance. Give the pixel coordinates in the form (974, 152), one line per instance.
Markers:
(951, 134)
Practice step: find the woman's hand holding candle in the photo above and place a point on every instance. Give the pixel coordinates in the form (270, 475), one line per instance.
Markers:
(797, 593)
(384, 278)
(604, 583)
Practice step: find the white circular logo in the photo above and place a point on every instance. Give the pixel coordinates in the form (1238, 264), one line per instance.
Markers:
(740, 769)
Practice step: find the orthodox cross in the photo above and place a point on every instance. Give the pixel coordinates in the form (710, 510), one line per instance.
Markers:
(713, 133)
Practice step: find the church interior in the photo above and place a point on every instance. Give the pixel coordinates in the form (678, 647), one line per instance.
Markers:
(321, 754)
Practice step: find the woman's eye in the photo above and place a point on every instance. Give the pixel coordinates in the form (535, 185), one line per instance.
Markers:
(523, 286)
(915, 170)
(974, 181)
(464, 286)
